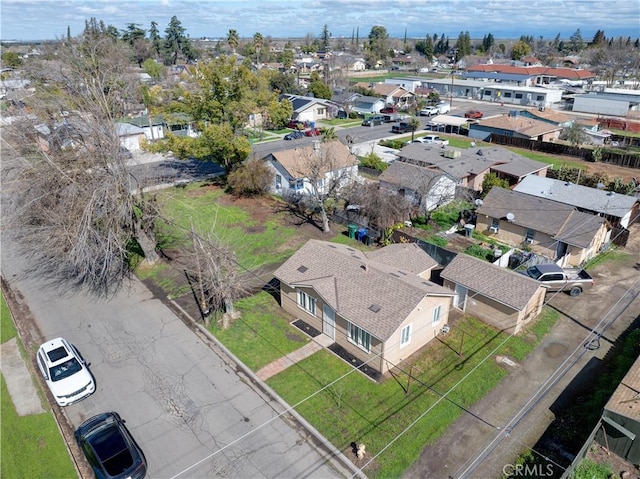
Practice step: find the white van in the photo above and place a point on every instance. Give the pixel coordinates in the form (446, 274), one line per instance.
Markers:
(444, 107)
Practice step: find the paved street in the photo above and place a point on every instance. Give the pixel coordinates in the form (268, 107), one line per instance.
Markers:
(190, 408)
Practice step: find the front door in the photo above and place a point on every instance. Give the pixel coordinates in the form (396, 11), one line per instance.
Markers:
(329, 321)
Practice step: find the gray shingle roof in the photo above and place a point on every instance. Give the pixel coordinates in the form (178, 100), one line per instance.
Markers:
(472, 161)
(560, 221)
(401, 173)
(502, 285)
(582, 197)
(351, 282)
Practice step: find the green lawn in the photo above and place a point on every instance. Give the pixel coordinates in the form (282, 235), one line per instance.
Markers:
(30, 446)
(254, 244)
(353, 408)
(7, 328)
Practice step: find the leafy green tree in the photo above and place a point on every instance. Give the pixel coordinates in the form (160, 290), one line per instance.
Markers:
(233, 40)
(156, 39)
(373, 161)
(414, 124)
(176, 43)
(11, 59)
(277, 114)
(325, 39)
(490, 180)
(488, 42)
(598, 39)
(378, 46)
(574, 134)
(520, 50)
(463, 45)
(258, 42)
(426, 48)
(576, 43)
(132, 33)
(329, 135)
(318, 88)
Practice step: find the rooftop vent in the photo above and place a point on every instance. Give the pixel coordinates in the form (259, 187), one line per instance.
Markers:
(375, 308)
(302, 269)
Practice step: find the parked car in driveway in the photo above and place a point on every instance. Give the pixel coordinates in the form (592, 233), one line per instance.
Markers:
(297, 125)
(473, 114)
(389, 109)
(433, 139)
(64, 371)
(294, 135)
(110, 448)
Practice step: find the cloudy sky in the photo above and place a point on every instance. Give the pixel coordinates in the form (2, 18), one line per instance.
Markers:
(49, 19)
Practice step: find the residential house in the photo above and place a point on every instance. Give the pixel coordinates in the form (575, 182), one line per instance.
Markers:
(619, 426)
(307, 108)
(514, 125)
(392, 94)
(153, 126)
(498, 296)
(469, 166)
(549, 228)
(424, 187)
(380, 306)
(130, 136)
(402, 62)
(620, 210)
(365, 104)
(294, 168)
(550, 116)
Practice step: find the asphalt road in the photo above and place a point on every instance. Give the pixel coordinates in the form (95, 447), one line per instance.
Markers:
(192, 410)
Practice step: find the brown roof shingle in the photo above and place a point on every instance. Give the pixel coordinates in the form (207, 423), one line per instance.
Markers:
(351, 281)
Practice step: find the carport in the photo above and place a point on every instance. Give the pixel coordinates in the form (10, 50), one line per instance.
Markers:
(446, 123)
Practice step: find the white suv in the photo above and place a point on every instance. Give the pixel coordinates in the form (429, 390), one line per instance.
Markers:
(429, 111)
(65, 372)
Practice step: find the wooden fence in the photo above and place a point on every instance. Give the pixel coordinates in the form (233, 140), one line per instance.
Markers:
(613, 157)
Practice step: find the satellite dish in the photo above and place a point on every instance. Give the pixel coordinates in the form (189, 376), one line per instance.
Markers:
(478, 202)
(510, 216)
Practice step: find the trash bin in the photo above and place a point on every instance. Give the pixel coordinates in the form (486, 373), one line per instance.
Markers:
(352, 231)
(360, 234)
(369, 239)
(468, 230)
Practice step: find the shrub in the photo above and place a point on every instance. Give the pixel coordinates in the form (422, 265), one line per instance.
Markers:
(251, 178)
(371, 160)
(395, 144)
(449, 214)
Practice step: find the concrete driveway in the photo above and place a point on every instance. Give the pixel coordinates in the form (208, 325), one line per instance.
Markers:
(191, 409)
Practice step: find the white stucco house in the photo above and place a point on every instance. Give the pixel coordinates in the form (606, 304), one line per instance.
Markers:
(292, 169)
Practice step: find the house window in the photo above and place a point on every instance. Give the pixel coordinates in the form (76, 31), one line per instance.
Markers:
(296, 184)
(540, 98)
(405, 335)
(487, 93)
(507, 94)
(306, 302)
(359, 337)
(321, 111)
(519, 96)
(278, 182)
(436, 314)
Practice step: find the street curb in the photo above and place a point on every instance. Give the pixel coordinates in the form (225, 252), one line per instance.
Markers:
(336, 453)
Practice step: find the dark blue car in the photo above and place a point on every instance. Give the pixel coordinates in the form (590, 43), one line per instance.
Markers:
(110, 449)
(294, 135)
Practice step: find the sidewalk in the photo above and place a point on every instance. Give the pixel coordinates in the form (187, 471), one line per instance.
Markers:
(279, 365)
(19, 383)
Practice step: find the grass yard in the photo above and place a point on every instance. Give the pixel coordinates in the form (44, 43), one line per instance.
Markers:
(345, 406)
(263, 333)
(7, 328)
(256, 241)
(30, 446)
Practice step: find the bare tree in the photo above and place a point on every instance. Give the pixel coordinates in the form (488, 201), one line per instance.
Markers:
(382, 208)
(75, 206)
(219, 278)
(326, 168)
